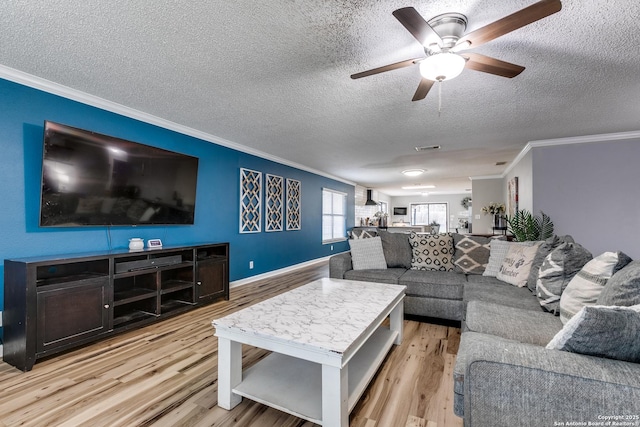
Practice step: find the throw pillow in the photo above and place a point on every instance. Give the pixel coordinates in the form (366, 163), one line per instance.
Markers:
(471, 253)
(498, 251)
(585, 287)
(543, 250)
(366, 254)
(396, 248)
(557, 270)
(516, 265)
(612, 332)
(360, 233)
(432, 251)
(623, 288)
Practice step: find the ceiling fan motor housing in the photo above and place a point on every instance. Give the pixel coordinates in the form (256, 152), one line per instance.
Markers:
(450, 27)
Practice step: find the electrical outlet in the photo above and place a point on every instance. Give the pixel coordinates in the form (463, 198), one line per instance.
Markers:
(250, 265)
(331, 247)
(477, 216)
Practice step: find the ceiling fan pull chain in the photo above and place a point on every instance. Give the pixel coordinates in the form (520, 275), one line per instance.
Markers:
(439, 97)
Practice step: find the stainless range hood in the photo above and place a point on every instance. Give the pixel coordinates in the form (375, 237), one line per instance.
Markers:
(369, 201)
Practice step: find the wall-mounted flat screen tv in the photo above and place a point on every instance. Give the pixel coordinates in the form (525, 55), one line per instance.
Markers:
(399, 211)
(90, 179)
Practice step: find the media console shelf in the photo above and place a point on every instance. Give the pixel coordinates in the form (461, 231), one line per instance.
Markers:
(56, 303)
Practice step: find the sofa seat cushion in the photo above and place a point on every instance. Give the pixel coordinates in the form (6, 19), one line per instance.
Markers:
(492, 290)
(525, 326)
(389, 275)
(435, 284)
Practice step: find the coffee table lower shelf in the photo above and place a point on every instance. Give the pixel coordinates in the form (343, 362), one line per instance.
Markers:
(294, 385)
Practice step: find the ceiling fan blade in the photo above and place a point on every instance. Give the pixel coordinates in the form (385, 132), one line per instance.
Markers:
(389, 67)
(516, 20)
(486, 64)
(423, 89)
(417, 26)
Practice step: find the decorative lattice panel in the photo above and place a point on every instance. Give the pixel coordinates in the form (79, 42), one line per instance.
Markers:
(250, 201)
(293, 204)
(274, 203)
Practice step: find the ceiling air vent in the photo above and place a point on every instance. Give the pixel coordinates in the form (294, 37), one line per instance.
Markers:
(428, 148)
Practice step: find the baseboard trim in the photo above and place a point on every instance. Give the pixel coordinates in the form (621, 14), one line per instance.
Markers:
(273, 273)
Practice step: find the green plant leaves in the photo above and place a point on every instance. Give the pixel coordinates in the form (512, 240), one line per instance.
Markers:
(526, 227)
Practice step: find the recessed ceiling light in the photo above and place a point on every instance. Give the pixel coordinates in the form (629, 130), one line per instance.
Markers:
(418, 187)
(413, 172)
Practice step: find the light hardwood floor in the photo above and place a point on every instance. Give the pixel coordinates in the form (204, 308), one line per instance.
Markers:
(166, 375)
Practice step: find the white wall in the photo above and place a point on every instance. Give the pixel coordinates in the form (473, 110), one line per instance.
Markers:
(453, 201)
(485, 190)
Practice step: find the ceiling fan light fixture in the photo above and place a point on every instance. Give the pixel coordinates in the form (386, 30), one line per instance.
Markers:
(413, 172)
(442, 66)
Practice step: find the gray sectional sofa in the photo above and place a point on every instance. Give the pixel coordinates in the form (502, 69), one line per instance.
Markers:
(504, 375)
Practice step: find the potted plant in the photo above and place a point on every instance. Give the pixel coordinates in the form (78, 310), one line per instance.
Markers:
(435, 227)
(526, 227)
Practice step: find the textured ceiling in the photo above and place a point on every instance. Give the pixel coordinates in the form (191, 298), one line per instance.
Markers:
(274, 76)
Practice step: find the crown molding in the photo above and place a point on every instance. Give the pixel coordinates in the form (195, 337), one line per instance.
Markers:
(48, 86)
(472, 178)
(604, 137)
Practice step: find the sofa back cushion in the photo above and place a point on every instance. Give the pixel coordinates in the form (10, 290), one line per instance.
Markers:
(557, 270)
(585, 288)
(366, 254)
(623, 288)
(396, 248)
(432, 251)
(471, 253)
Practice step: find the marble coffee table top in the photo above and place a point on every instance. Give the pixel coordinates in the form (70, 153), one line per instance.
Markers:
(329, 314)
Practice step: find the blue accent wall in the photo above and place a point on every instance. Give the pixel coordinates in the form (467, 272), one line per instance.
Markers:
(23, 111)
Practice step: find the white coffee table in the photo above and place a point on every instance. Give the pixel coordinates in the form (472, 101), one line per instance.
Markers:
(327, 343)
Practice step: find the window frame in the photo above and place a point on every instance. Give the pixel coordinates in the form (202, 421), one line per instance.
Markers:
(333, 215)
(411, 214)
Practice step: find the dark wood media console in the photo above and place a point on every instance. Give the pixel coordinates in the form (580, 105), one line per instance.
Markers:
(56, 303)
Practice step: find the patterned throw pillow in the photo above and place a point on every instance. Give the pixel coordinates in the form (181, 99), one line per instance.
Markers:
(366, 254)
(517, 264)
(431, 251)
(471, 254)
(602, 331)
(360, 233)
(557, 270)
(585, 288)
(498, 251)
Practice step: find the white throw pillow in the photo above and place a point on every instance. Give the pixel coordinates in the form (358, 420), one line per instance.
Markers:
(586, 286)
(367, 254)
(516, 265)
(497, 252)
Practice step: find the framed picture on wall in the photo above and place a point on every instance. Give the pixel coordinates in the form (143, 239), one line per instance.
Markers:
(512, 201)
(250, 201)
(293, 204)
(274, 203)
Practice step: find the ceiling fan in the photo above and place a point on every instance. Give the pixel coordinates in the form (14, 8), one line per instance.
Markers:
(443, 37)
